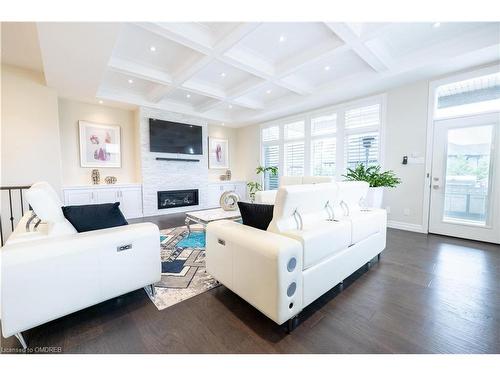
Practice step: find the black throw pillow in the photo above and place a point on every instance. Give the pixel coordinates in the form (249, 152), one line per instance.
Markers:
(256, 215)
(94, 216)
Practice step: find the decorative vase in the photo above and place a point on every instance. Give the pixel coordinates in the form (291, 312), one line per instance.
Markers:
(110, 180)
(374, 197)
(229, 201)
(96, 177)
(228, 175)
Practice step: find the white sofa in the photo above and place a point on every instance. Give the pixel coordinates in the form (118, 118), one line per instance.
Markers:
(55, 271)
(319, 235)
(269, 196)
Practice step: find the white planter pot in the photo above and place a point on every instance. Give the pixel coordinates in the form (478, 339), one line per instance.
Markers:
(374, 197)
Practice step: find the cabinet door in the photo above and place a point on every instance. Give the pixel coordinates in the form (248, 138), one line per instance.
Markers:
(78, 197)
(107, 196)
(131, 202)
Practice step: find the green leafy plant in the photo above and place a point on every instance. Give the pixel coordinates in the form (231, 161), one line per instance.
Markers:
(372, 175)
(254, 186)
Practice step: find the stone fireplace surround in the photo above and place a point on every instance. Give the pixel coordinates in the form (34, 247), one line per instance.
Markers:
(164, 175)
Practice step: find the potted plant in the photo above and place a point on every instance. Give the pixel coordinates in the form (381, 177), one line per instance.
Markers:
(254, 186)
(377, 180)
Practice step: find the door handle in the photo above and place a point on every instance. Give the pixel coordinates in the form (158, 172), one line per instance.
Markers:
(435, 187)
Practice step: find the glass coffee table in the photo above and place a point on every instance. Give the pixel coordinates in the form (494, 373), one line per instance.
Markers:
(204, 217)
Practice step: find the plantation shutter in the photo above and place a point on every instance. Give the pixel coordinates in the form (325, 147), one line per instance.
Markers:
(323, 157)
(270, 134)
(294, 159)
(362, 117)
(271, 159)
(362, 148)
(324, 125)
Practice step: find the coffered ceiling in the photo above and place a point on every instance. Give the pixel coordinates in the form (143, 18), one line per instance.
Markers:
(243, 73)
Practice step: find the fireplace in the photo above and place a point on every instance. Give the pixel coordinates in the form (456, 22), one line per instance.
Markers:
(177, 198)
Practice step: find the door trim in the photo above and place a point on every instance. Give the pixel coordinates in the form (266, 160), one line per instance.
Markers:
(431, 101)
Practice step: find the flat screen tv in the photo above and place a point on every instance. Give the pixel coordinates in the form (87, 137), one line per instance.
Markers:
(175, 138)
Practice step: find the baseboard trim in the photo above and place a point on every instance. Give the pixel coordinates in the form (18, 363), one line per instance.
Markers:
(405, 226)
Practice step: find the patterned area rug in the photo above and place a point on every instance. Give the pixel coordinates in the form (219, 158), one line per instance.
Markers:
(183, 266)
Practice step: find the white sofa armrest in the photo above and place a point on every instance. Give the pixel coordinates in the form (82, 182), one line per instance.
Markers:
(263, 268)
(45, 279)
(266, 196)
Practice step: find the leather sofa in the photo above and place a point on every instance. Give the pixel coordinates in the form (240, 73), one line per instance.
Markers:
(54, 271)
(269, 196)
(319, 235)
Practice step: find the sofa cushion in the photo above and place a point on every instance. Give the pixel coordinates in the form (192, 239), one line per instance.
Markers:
(95, 216)
(256, 215)
(321, 240)
(365, 223)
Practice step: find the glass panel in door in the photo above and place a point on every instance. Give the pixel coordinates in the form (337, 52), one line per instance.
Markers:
(468, 175)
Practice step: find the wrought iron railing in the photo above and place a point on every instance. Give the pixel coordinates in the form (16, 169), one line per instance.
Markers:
(16, 206)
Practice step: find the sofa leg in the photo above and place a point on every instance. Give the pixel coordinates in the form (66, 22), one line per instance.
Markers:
(378, 256)
(20, 337)
(341, 285)
(150, 289)
(369, 264)
(292, 323)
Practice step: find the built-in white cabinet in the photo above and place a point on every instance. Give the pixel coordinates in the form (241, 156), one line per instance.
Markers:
(216, 189)
(129, 196)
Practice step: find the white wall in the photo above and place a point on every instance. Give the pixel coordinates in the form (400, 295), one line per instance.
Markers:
(30, 129)
(406, 131)
(231, 134)
(70, 112)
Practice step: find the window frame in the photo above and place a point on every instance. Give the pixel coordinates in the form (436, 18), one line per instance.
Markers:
(340, 133)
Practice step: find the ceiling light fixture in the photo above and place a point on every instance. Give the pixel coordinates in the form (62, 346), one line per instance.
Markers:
(100, 102)
(223, 124)
(327, 68)
(188, 96)
(282, 38)
(130, 81)
(436, 25)
(230, 106)
(223, 74)
(152, 49)
(268, 91)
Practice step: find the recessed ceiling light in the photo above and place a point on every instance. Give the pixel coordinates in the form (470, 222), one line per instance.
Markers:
(223, 124)
(436, 25)
(100, 102)
(282, 38)
(269, 91)
(130, 81)
(152, 48)
(188, 96)
(327, 68)
(223, 74)
(230, 106)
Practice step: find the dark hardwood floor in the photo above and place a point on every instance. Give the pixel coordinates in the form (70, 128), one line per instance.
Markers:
(428, 294)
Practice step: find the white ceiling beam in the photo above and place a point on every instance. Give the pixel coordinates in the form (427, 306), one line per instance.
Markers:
(139, 71)
(349, 36)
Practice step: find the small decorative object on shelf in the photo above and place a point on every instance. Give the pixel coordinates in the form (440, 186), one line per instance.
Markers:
(96, 177)
(110, 180)
(223, 177)
(229, 201)
(228, 175)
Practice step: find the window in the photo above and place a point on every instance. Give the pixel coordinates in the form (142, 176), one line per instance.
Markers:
(325, 143)
(361, 149)
(323, 157)
(294, 159)
(271, 159)
(471, 96)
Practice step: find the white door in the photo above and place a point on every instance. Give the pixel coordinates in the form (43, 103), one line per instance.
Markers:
(465, 179)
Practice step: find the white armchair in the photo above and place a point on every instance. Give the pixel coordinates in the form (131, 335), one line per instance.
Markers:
(55, 271)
